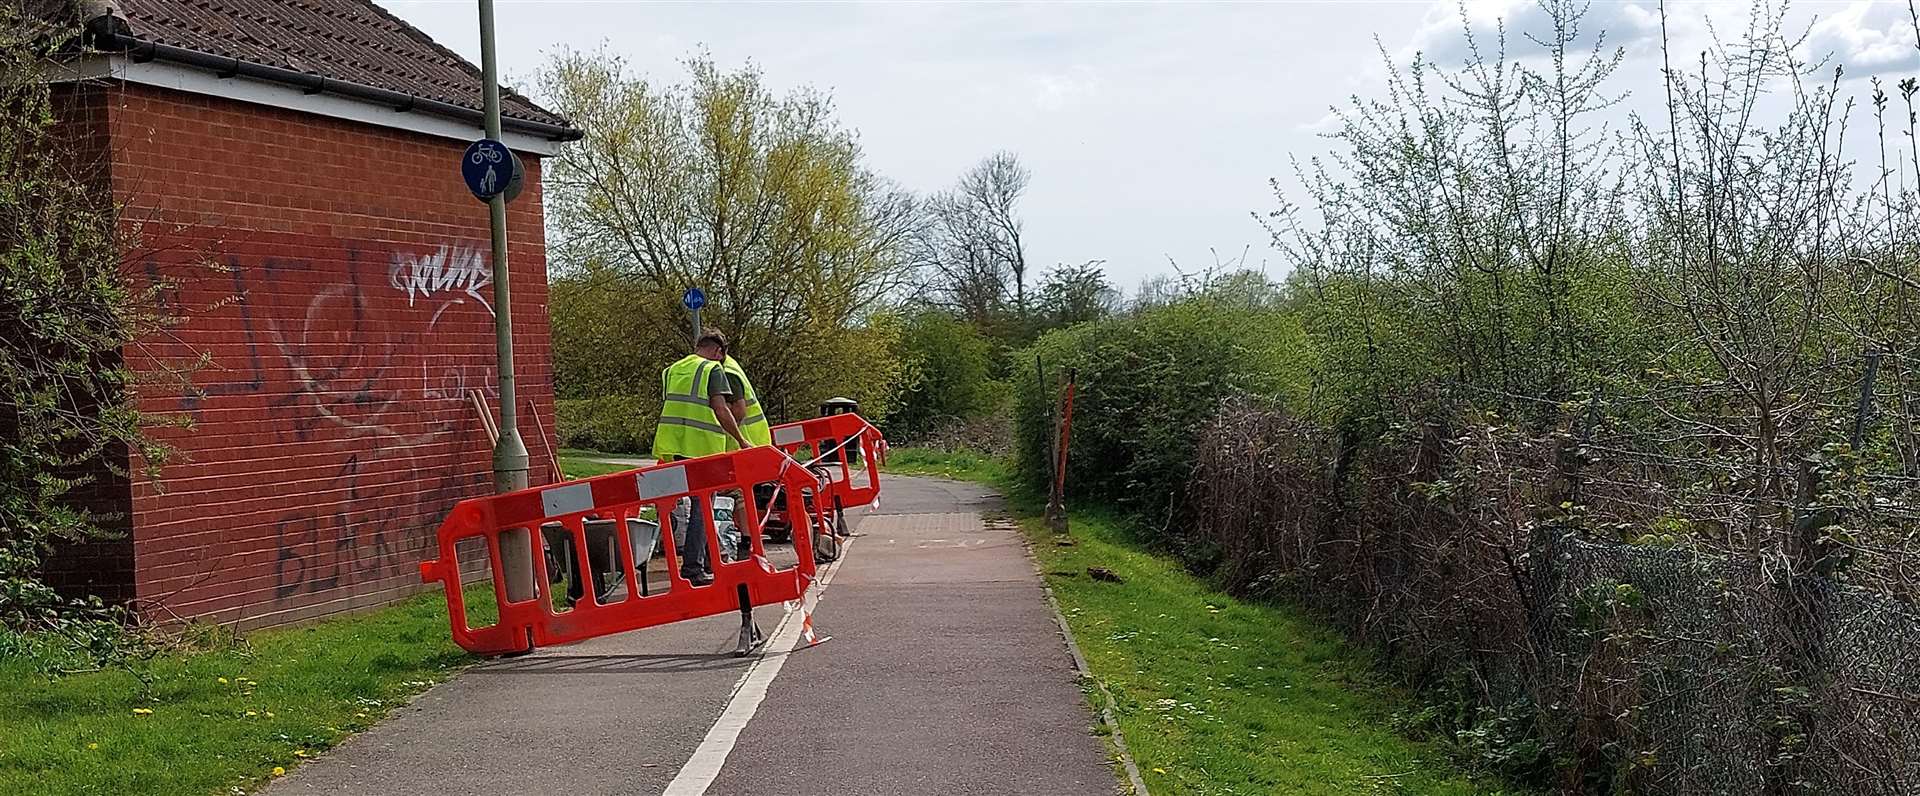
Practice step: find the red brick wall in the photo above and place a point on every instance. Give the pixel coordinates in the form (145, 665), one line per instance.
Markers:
(344, 324)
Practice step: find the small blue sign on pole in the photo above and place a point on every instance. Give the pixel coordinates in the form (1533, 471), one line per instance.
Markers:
(694, 300)
(490, 169)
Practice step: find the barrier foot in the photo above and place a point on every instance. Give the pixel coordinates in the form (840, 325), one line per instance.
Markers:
(840, 519)
(517, 653)
(1056, 516)
(826, 547)
(751, 639)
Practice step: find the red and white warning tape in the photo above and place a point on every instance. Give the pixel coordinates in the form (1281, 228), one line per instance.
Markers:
(809, 597)
(806, 603)
(779, 488)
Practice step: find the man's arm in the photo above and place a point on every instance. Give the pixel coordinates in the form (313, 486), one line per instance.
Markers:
(739, 398)
(724, 413)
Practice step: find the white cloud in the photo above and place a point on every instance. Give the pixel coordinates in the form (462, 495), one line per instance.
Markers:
(1866, 37)
(1058, 90)
(1442, 38)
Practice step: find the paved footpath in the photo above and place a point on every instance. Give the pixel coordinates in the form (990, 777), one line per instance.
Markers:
(945, 674)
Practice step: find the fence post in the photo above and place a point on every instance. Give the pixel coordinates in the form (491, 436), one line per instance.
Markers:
(1052, 441)
(1805, 612)
(1343, 451)
(1056, 515)
(1808, 606)
(1864, 409)
(1539, 578)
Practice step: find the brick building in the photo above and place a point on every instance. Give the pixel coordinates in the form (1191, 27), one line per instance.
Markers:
(340, 347)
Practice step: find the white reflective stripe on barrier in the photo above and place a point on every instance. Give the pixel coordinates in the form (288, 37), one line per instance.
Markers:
(788, 435)
(661, 483)
(567, 499)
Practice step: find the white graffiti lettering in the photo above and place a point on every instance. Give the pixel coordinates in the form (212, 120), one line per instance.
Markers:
(451, 268)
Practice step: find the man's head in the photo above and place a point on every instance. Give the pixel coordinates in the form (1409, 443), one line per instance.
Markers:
(711, 345)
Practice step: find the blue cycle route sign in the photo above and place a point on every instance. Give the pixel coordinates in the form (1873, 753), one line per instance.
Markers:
(490, 169)
(694, 299)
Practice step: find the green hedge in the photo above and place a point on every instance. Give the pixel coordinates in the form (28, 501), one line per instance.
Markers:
(945, 380)
(1148, 383)
(613, 423)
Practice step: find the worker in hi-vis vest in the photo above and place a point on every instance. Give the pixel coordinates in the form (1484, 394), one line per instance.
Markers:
(697, 419)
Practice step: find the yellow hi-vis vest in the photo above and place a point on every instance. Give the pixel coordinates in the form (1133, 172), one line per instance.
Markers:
(688, 427)
(754, 427)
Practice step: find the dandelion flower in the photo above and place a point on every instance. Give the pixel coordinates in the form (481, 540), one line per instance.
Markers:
(143, 711)
(279, 772)
(269, 714)
(93, 746)
(251, 714)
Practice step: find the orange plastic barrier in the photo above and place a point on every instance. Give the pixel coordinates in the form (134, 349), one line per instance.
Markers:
(834, 447)
(617, 507)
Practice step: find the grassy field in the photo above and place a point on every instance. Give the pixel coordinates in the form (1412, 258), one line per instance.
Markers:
(1215, 695)
(221, 721)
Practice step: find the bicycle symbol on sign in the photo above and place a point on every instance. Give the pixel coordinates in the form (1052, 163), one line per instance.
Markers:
(487, 155)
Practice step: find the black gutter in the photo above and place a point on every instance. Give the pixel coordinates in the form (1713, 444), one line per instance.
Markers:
(142, 51)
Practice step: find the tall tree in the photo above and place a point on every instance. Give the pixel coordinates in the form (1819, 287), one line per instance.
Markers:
(761, 199)
(958, 270)
(970, 248)
(993, 188)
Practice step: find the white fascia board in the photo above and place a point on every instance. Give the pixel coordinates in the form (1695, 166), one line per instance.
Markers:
(275, 95)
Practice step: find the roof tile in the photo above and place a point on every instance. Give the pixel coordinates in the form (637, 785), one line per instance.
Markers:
(355, 41)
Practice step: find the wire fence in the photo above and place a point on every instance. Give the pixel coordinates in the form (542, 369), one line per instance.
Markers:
(1659, 622)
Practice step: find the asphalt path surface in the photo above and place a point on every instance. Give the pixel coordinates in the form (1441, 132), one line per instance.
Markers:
(944, 673)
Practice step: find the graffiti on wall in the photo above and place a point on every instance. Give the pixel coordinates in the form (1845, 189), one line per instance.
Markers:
(367, 360)
(457, 270)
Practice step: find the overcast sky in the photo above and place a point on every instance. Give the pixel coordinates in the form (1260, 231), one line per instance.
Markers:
(1151, 129)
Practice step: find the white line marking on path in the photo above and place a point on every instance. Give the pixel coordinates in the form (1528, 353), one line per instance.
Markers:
(703, 768)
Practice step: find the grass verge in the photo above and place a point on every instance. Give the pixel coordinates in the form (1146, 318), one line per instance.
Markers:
(960, 465)
(1216, 695)
(586, 464)
(223, 721)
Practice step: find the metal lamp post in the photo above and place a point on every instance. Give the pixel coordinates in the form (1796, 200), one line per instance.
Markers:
(509, 451)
